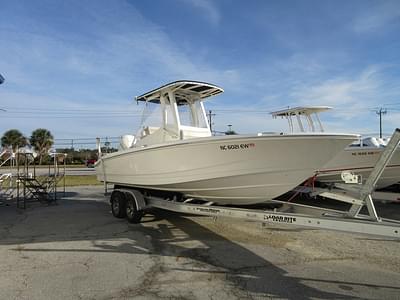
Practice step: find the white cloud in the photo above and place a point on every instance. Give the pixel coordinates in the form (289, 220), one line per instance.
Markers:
(347, 93)
(117, 54)
(130, 56)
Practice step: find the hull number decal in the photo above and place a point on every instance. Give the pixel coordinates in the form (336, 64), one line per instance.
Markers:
(365, 153)
(237, 146)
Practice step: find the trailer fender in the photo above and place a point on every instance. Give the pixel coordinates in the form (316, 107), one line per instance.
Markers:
(138, 197)
(134, 206)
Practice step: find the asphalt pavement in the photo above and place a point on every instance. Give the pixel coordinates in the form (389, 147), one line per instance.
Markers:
(78, 250)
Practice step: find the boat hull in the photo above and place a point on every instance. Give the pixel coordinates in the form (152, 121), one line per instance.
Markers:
(236, 170)
(361, 162)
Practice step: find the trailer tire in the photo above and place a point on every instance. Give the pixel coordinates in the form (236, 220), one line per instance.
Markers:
(118, 204)
(133, 215)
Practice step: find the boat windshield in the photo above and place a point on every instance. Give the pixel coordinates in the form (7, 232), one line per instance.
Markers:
(151, 115)
(192, 115)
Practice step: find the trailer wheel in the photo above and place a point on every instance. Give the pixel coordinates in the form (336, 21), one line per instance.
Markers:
(118, 204)
(133, 215)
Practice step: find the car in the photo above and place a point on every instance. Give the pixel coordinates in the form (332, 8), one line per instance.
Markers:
(90, 163)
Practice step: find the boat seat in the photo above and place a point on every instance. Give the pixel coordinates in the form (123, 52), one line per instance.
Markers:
(148, 130)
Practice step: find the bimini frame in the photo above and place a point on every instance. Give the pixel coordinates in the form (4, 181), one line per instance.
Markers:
(304, 115)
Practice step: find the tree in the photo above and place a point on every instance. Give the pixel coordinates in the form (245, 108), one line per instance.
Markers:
(41, 140)
(13, 138)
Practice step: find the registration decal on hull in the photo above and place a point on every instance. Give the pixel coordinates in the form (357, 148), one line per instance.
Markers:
(237, 146)
(365, 153)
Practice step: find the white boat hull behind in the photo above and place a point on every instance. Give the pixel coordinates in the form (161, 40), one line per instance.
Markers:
(361, 161)
(240, 170)
(359, 158)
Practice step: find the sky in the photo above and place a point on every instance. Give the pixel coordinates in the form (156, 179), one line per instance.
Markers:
(74, 67)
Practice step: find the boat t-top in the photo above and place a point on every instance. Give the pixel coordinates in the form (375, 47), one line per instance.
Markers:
(179, 157)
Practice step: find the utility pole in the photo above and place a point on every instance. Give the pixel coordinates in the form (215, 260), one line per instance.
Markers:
(210, 115)
(381, 112)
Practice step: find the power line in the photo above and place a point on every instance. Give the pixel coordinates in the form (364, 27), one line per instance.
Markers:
(42, 109)
(393, 103)
(33, 113)
(68, 117)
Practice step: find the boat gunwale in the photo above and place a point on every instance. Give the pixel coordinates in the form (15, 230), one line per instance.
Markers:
(217, 139)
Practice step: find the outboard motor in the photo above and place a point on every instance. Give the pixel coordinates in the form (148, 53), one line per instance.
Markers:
(371, 142)
(127, 141)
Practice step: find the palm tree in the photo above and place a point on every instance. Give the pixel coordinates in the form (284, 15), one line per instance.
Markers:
(41, 140)
(13, 138)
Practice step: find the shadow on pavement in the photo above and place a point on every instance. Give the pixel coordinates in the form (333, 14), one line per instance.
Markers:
(91, 220)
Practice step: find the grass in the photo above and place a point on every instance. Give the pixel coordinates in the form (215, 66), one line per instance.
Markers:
(76, 180)
(70, 180)
(61, 166)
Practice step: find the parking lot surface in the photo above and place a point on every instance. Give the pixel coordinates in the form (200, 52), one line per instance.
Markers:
(78, 250)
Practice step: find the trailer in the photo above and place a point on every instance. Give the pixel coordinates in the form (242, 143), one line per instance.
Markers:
(132, 203)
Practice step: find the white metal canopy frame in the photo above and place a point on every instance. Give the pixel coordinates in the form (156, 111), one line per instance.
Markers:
(309, 113)
(183, 89)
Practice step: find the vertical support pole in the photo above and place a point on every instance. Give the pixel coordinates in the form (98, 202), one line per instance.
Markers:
(380, 112)
(49, 181)
(65, 159)
(17, 179)
(319, 123)
(300, 123)
(104, 176)
(100, 157)
(310, 123)
(55, 177)
(210, 122)
(290, 121)
(34, 167)
(25, 168)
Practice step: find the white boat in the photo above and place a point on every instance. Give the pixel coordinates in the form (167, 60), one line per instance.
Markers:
(181, 157)
(358, 158)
